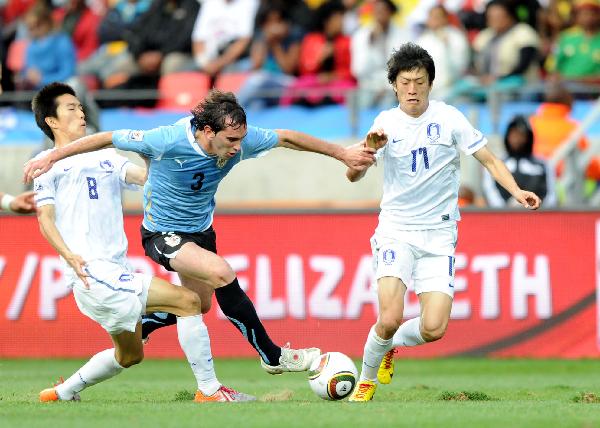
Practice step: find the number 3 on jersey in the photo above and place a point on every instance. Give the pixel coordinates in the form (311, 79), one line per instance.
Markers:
(420, 151)
(92, 187)
(199, 177)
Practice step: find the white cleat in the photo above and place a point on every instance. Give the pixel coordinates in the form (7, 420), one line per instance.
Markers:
(292, 360)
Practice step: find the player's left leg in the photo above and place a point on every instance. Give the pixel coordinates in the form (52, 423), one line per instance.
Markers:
(128, 351)
(193, 338)
(390, 291)
(154, 320)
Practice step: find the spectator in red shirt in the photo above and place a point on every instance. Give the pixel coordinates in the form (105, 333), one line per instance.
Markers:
(81, 23)
(324, 61)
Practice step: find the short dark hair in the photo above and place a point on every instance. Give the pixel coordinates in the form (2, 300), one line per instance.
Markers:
(44, 104)
(218, 110)
(506, 5)
(407, 58)
(390, 5)
(326, 11)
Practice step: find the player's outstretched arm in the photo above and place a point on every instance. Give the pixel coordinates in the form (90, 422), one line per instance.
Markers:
(353, 157)
(20, 204)
(502, 175)
(89, 143)
(47, 219)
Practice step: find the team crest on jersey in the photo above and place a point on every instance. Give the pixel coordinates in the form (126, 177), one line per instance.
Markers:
(38, 187)
(221, 162)
(389, 256)
(433, 132)
(136, 135)
(107, 165)
(172, 240)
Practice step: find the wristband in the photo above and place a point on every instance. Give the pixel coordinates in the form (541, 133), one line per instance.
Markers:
(6, 200)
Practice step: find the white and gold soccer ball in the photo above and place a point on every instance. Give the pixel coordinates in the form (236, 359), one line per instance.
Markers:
(332, 376)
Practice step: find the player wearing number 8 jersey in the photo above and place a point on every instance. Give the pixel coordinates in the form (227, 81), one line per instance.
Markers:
(419, 143)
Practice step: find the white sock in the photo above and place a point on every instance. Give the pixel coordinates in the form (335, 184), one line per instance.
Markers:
(409, 334)
(100, 367)
(194, 340)
(375, 349)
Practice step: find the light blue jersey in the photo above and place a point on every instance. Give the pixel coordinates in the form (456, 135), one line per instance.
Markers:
(179, 195)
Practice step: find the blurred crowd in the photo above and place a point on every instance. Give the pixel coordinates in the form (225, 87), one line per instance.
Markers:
(299, 52)
(315, 52)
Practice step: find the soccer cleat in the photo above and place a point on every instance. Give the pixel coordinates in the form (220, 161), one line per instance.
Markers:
(386, 368)
(50, 394)
(364, 391)
(292, 360)
(223, 395)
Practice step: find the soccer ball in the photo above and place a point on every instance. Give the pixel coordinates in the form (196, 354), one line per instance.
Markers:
(332, 376)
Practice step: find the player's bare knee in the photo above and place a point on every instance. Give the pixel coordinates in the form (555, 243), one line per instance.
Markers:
(432, 331)
(189, 303)
(129, 360)
(221, 274)
(205, 306)
(389, 323)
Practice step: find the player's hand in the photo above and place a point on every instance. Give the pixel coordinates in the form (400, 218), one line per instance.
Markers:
(78, 265)
(36, 167)
(23, 203)
(528, 199)
(376, 139)
(358, 157)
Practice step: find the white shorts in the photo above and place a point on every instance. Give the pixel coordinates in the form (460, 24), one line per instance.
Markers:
(116, 298)
(422, 259)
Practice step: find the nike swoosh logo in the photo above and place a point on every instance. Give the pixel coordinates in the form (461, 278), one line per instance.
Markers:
(397, 141)
(67, 169)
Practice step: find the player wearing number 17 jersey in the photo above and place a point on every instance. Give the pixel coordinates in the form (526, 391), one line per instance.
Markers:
(419, 143)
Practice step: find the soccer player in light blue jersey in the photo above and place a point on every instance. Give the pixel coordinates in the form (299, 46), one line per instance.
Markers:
(188, 160)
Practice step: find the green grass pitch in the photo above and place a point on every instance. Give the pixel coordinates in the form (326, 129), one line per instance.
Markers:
(424, 393)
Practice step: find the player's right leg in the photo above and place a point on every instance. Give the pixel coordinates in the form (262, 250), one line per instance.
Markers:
(194, 257)
(128, 351)
(210, 269)
(193, 338)
(390, 292)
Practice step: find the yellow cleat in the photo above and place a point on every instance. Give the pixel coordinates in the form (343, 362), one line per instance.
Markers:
(364, 391)
(386, 368)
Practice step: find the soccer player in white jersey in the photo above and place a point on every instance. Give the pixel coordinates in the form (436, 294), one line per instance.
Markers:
(188, 160)
(80, 214)
(419, 143)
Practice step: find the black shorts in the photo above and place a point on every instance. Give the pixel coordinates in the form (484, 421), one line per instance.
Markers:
(164, 246)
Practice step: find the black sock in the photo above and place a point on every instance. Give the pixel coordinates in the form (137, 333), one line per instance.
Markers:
(236, 306)
(156, 320)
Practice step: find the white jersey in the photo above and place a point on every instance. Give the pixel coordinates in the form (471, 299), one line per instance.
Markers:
(86, 192)
(422, 166)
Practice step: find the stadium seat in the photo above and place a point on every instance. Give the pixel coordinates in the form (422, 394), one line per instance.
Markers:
(231, 82)
(15, 57)
(182, 91)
